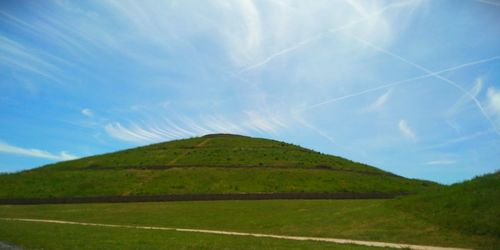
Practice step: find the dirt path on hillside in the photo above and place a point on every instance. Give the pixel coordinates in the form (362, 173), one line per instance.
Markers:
(286, 237)
(5, 246)
(148, 175)
(199, 145)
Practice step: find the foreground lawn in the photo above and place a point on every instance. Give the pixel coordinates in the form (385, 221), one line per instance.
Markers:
(352, 219)
(52, 236)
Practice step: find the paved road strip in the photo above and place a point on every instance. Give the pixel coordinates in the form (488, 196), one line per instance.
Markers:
(286, 237)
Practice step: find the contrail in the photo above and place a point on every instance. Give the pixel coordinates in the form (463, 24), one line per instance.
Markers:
(457, 140)
(454, 84)
(488, 2)
(388, 85)
(319, 131)
(318, 36)
(281, 52)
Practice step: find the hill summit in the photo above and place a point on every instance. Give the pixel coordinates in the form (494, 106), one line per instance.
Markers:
(215, 163)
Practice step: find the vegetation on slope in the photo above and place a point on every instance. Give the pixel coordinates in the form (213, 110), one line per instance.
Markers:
(471, 207)
(69, 183)
(209, 164)
(217, 150)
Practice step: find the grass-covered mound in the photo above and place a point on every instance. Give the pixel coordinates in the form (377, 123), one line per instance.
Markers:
(210, 164)
(216, 150)
(472, 207)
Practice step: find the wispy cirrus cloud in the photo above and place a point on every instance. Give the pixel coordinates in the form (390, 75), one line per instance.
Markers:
(30, 152)
(489, 2)
(87, 112)
(18, 57)
(379, 102)
(365, 18)
(135, 133)
(406, 130)
(494, 100)
(166, 129)
(440, 162)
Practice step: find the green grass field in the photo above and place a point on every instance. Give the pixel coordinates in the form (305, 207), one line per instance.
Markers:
(375, 220)
(51, 236)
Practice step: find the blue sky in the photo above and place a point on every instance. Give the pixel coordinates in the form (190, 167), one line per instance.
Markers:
(409, 86)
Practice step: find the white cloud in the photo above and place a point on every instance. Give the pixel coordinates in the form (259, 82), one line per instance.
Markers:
(493, 3)
(21, 58)
(222, 125)
(132, 133)
(406, 130)
(494, 100)
(165, 129)
(87, 112)
(252, 23)
(440, 162)
(263, 122)
(11, 149)
(381, 100)
(360, 17)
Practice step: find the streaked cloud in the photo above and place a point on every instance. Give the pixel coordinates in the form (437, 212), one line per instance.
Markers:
(264, 123)
(133, 133)
(18, 57)
(87, 112)
(440, 162)
(166, 129)
(358, 17)
(406, 130)
(494, 100)
(29, 152)
(489, 2)
(381, 100)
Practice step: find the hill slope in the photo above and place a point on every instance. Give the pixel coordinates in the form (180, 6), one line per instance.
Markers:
(472, 207)
(216, 163)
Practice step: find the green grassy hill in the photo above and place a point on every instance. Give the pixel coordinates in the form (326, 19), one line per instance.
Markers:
(460, 215)
(218, 163)
(471, 207)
